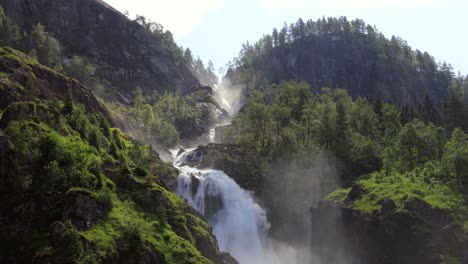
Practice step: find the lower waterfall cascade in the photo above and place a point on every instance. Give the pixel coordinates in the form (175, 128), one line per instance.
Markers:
(239, 224)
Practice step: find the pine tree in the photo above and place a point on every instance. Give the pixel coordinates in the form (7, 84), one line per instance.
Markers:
(275, 37)
(453, 111)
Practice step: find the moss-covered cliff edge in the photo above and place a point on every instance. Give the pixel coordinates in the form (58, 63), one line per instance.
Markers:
(395, 219)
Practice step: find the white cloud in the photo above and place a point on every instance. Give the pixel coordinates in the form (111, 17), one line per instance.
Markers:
(275, 6)
(178, 16)
(391, 3)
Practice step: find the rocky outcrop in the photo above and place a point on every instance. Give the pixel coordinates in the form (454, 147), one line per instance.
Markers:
(231, 159)
(83, 209)
(211, 113)
(123, 52)
(26, 79)
(418, 234)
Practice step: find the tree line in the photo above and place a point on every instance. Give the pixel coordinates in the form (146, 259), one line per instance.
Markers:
(338, 53)
(291, 123)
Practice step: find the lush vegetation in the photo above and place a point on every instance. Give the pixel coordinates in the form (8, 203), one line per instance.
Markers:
(288, 121)
(289, 127)
(52, 152)
(158, 123)
(152, 118)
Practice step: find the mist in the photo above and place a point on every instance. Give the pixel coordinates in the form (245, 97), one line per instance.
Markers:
(298, 236)
(230, 97)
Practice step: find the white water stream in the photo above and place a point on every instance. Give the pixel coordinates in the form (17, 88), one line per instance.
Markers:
(239, 224)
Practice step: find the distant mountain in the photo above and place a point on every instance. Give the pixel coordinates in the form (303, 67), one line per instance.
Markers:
(338, 53)
(123, 51)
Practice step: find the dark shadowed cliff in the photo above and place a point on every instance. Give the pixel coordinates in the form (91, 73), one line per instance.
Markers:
(123, 52)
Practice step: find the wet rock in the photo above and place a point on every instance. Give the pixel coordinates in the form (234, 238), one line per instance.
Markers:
(83, 209)
(193, 158)
(195, 184)
(213, 204)
(180, 152)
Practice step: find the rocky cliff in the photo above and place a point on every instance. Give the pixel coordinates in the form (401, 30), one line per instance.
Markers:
(410, 230)
(365, 63)
(24, 79)
(122, 50)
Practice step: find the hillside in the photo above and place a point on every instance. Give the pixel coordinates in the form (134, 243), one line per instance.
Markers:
(337, 53)
(76, 190)
(133, 66)
(124, 53)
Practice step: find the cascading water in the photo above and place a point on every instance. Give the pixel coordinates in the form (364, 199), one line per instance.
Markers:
(239, 224)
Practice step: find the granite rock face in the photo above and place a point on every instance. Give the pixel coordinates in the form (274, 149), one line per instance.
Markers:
(123, 52)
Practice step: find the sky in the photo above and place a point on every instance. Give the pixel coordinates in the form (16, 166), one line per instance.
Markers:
(216, 29)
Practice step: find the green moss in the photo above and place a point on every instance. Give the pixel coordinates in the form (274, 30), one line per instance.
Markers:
(401, 188)
(147, 232)
(337, 196)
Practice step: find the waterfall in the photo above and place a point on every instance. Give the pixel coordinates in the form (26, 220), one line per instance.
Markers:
(239, 224)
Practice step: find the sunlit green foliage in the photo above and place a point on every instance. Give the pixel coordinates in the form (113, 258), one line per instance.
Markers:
(157, 123)
(298, 123)
(80, 68)
(48, 153)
